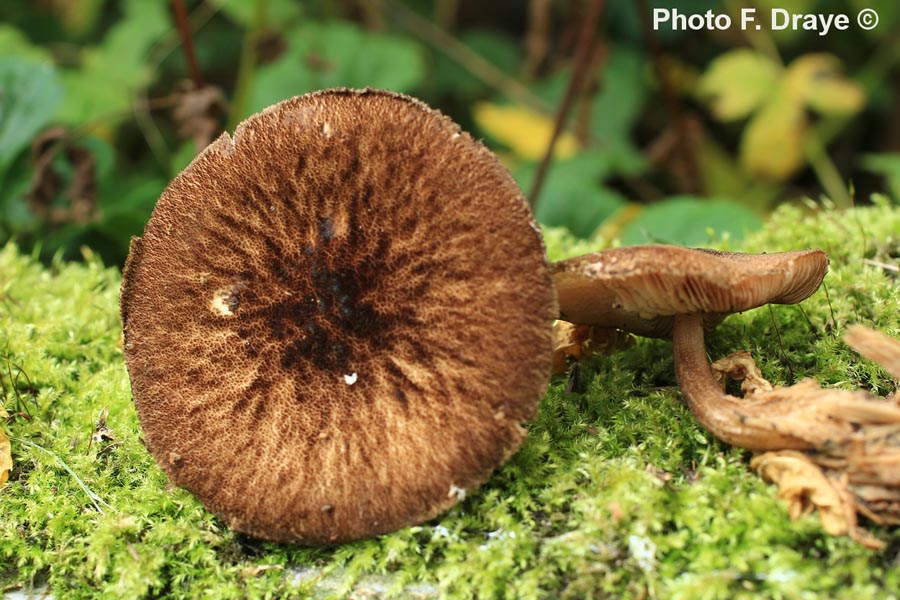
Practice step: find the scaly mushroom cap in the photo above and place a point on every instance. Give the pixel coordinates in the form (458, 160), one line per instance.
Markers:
(639, 288)
(337, 320)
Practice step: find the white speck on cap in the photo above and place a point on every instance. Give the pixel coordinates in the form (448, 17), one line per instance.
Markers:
(457, 491)
(350, 379)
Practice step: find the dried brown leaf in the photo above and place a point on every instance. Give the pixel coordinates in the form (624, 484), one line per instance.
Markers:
(875, 346)
(852, 462)
(103, 436)
(48, 188)
(805, 487)
(741, 366)
(6, 463)
(198, 113)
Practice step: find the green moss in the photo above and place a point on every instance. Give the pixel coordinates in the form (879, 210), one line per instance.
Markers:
(617, 491)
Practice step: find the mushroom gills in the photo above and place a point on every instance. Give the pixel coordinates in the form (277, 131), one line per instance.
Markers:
(334, 306)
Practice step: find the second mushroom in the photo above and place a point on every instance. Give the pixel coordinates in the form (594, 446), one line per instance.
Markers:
(665, 291)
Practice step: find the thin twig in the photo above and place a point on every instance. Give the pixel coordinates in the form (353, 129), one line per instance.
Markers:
(830, 307)
(582, 59)
(812, 326)
(780, 342)
(584, 113)
(673, 106)
(537, 39)
(445, 13)
(187, 41)
(142, 104)
(197, 20)
(883, 265)
(14, 383)
(95, 499)
(463, 55)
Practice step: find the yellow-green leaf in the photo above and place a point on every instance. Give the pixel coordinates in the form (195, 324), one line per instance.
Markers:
(737, 83)
(525, 131)
(817, 80)
(773, 144)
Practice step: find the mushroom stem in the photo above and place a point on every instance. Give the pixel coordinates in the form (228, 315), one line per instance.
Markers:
(723, 415)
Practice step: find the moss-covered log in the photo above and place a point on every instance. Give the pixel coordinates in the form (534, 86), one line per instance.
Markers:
(617, 490)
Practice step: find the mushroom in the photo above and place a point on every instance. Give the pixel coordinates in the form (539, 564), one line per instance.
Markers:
(337, 320)
(658, 291)
(837, 450)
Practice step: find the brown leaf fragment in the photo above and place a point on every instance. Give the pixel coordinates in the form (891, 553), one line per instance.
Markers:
(875, 346)
(877, 503)
(257, 570)
(615, 509)
(848, 463)
(579, 341)
(567, 341)
(198, 113)
(742, 367)
(6, 463)
(64, 186)
(103, 436)
(806, 487)
(664, 476)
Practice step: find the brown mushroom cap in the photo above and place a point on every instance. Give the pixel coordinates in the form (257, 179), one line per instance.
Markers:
(640, 288)
(337, 320)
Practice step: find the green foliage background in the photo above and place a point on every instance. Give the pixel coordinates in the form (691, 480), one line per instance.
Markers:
(711, 131)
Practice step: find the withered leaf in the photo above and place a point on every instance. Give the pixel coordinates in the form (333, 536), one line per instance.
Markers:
(6, 463)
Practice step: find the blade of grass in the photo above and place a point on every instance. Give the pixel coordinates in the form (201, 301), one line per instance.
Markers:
(95, 499)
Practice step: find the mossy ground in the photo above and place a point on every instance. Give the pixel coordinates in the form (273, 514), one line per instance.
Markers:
(617, 491)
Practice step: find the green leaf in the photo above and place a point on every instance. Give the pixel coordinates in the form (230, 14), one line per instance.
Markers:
(690, 221)
(15, 216)
(182, 157)
(773, 144)
(723, 176)
(888, 166)
(126, 206)
(338, 54)
(572, 195)
(278, 13)
(623, 90)
(113, 72)
(524, 131)
(817, 80)
(29, 95)
(736, 83)
(14, 43)
(453, 79)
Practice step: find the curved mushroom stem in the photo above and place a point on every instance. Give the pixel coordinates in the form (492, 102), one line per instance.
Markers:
(725, 416)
